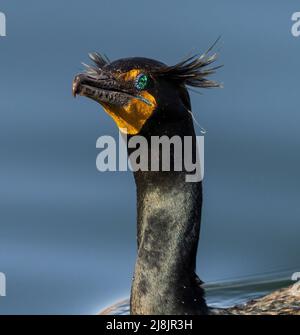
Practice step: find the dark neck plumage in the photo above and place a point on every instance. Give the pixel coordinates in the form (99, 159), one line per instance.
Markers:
(168, 225)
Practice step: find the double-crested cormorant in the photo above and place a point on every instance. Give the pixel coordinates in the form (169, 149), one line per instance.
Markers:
(148, 98)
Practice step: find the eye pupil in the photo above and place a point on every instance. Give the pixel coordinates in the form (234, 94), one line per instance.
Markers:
(141, 81)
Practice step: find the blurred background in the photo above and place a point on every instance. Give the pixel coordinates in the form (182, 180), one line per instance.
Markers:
(67, 231)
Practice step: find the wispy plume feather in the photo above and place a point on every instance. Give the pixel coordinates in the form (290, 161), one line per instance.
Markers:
(90, 69)
(99, 62)
(98, 59)
(193, 71)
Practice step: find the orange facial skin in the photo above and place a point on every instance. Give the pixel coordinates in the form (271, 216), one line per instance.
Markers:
(131, 117)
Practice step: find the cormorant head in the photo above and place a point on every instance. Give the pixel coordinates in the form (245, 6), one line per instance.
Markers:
(132, 90)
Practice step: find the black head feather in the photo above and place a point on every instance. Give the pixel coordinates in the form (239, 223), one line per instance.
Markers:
(98, 59)
(99, 62)
(192, 71)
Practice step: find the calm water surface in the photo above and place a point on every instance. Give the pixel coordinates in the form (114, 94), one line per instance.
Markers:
(226, 294)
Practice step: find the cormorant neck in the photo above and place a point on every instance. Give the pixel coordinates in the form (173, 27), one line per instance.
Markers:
(168, 225)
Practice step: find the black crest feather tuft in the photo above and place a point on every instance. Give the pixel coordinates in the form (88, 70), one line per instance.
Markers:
(98, 59)
(192, 71)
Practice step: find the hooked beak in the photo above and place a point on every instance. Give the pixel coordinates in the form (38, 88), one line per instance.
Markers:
(100, 85)
(75, 87)
(102, 88)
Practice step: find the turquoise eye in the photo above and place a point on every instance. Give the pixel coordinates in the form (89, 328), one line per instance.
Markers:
(141, 81)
